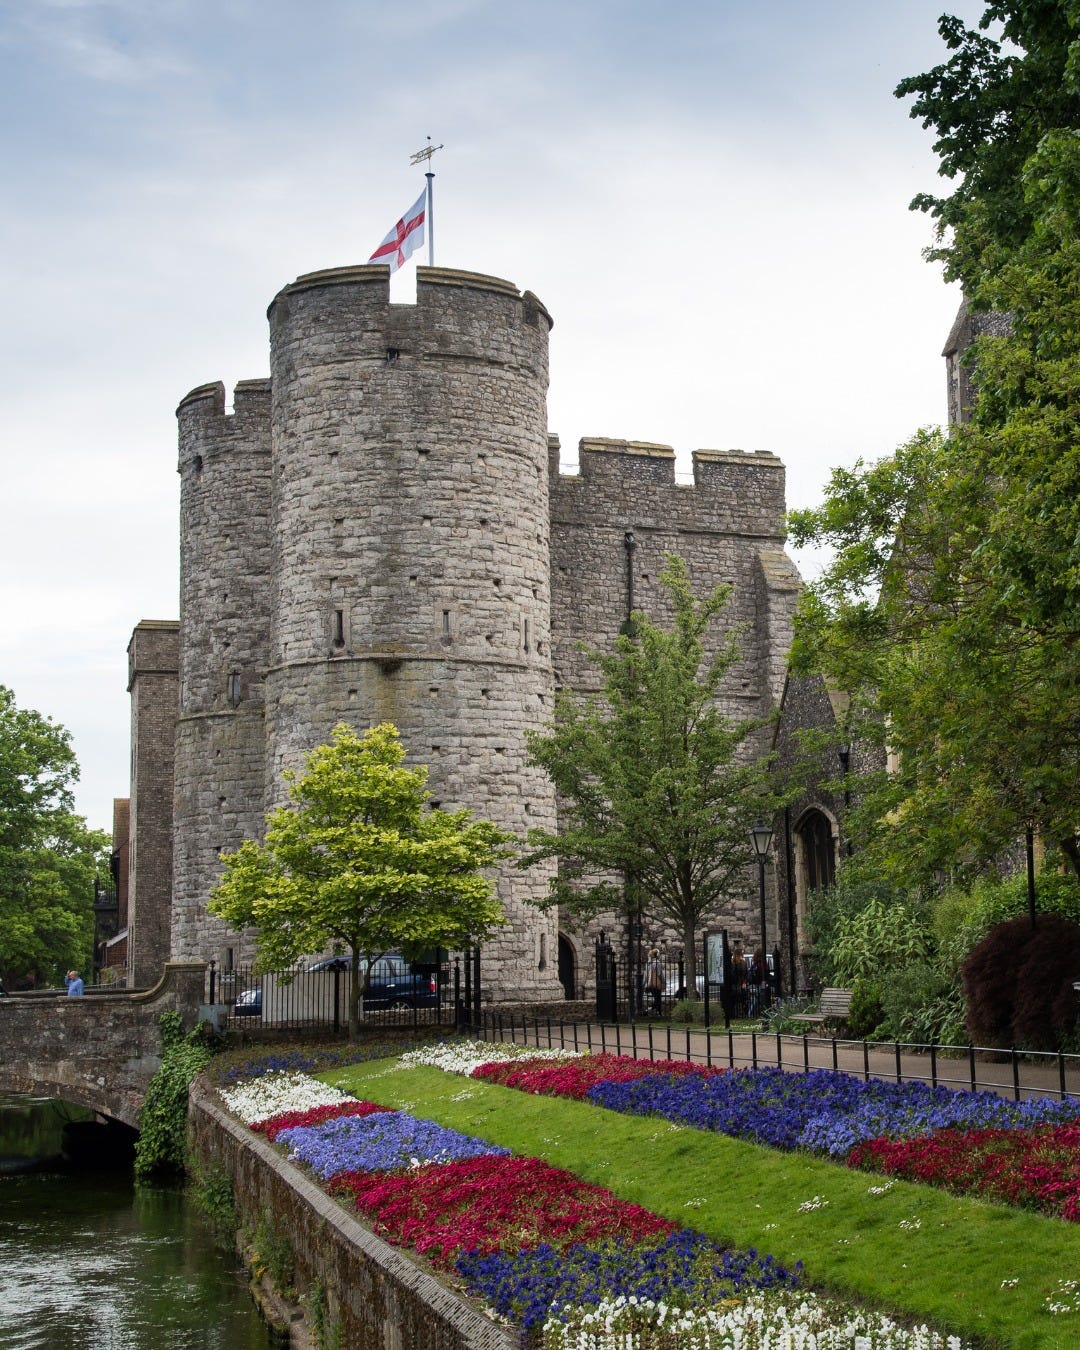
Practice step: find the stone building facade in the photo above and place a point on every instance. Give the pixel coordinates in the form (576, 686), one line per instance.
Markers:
(379, 531)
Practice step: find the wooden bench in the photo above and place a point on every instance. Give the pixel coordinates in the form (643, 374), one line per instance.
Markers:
(833, 1006)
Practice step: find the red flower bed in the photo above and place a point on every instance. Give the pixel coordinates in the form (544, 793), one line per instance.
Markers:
(1036, 1168)
(492, 1204)
(314, 1115)
(574, 1077)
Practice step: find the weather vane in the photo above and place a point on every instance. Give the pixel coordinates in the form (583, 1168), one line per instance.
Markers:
(424, 157)
(425, 154)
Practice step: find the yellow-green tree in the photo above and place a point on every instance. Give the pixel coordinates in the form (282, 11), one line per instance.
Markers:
(361, 862)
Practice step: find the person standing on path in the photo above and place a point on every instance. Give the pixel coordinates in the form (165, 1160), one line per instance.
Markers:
(74, 984)
(654, 978)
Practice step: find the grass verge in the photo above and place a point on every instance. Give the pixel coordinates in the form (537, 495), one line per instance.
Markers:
(917, 1251)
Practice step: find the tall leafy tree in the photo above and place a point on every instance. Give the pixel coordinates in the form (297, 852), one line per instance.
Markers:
(655, 781)
(952, 602)
(49, 859)
(361, 862)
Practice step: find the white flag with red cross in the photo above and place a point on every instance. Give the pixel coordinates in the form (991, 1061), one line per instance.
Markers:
(406, 236)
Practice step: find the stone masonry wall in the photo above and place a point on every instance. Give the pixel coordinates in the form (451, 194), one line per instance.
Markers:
(153, 655)
(727, 526)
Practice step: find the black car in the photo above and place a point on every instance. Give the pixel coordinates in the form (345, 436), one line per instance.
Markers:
(392, 983)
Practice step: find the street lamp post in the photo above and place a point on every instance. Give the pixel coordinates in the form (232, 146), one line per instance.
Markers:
(762, 835)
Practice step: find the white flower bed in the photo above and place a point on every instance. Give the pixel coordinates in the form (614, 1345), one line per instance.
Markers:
(759, 1322)
(276, 1092)
(464, 1056)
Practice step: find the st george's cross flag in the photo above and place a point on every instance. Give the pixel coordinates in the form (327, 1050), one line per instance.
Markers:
(407, 235)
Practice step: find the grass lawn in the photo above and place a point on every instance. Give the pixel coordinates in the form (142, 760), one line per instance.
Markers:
(915, 1250)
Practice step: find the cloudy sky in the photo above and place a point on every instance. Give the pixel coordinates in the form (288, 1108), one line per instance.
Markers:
(710, 196)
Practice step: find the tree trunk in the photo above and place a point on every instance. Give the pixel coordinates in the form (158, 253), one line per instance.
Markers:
(690, 960)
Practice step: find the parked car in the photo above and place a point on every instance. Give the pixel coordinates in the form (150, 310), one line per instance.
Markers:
(249, 1003)
(393, 983)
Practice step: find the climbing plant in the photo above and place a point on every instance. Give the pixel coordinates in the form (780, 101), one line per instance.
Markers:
(163, 1117)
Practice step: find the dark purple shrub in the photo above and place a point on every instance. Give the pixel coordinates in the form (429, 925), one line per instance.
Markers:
(1018, 983)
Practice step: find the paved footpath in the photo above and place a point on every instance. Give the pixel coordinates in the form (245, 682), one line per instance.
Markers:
(1001, 1072)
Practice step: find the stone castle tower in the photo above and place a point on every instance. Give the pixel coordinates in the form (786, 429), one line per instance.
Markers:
(379, 532)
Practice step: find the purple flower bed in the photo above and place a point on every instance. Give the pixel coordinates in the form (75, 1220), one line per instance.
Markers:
(684, 1269)
(380, 1143)
(823, 1111)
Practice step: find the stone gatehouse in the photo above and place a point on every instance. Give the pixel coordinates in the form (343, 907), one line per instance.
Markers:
(379, 530)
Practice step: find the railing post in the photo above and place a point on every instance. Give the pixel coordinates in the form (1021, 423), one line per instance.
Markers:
(971, 1065)
(865, 1060)
(753, 1049)
(805, 1053)
(213, 981)
(1016, 1073)
(1061, 1073)
(899, 1072)
(933, 1064)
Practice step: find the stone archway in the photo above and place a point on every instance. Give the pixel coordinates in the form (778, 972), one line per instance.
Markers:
(567, 967)
(816, 843)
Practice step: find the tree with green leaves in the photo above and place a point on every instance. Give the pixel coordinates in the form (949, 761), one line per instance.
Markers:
(360, 862)
(951, 604)
(49, 859)
(979, 713)
(655, 782)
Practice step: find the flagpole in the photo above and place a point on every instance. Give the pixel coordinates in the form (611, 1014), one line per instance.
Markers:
(430, 218)
(421, 157)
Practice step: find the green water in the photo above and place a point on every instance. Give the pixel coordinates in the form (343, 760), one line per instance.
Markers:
(90, 1260)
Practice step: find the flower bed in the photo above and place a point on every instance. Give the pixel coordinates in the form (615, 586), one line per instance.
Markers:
(1034, 1168)
(574, 1077)
(764, 1321)
(823, 1111)
(465, 1056)
(682, 1269)
(381, 1142)
(315, 1115)
(493, 1203)
(274, 1093)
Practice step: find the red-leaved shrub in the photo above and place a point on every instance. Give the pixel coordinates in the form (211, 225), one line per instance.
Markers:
(1018, 983)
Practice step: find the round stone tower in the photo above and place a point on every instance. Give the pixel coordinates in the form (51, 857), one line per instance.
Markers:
(224, 468)
(409, 559)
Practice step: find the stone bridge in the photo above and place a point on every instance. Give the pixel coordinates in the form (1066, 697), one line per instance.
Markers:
(99, 1051)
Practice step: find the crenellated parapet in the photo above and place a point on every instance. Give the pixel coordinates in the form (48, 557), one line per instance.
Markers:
(614, 521)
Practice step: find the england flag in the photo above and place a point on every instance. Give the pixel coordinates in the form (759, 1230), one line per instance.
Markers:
(407, 235)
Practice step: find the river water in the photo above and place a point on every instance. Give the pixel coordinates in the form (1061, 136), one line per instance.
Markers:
(89, 1259)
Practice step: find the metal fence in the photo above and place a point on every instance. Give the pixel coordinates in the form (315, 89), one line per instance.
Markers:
(1011, 1073)
(300, 998)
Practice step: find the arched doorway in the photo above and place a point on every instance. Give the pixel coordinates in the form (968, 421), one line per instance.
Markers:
(815, 861)
(567, 967)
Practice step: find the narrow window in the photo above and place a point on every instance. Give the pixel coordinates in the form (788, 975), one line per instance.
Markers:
(339, 628)
(446, 623)
(234, 688)
(526, 631)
